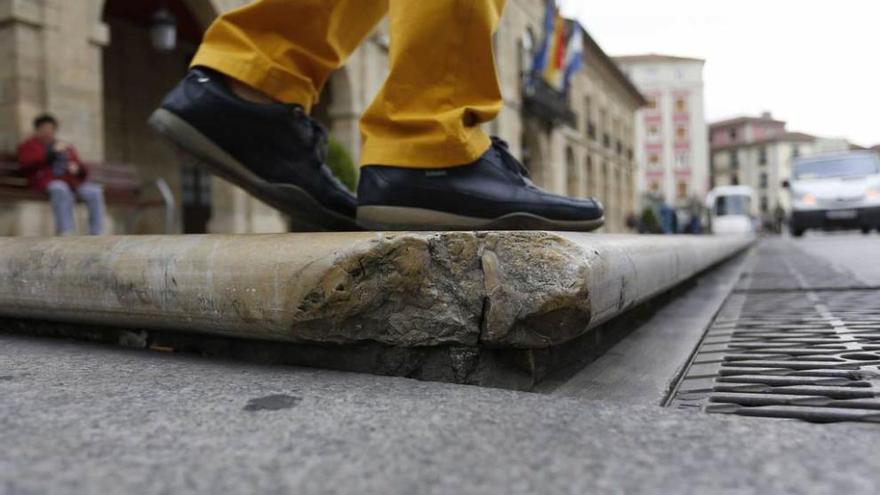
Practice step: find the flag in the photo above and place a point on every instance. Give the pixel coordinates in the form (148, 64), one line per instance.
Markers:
(542, 54)
(555, 66)
(574, 54)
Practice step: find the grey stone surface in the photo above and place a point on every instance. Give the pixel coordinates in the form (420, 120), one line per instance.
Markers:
(84, 419)
(644, 366)
(518, 289)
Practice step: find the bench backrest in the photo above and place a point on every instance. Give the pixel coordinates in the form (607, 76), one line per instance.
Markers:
(121, 181)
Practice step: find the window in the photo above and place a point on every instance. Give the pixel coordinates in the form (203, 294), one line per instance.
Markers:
(762, 182)
(765, 204)
(654, 159)
(734, 159)
(653, 132)
(652, 102)
(837, 166)
(681, 132)
(588, 112)
(732, 135)
(795, 151)
(682, 160)
(762, 155)
(681, 190)
(732, 204)
(680, 104)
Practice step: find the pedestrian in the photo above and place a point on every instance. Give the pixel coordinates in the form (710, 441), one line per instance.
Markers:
(426, 163)
(778, 218)
(54, 167)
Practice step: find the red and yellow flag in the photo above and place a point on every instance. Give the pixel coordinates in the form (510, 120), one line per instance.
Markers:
(555, 69)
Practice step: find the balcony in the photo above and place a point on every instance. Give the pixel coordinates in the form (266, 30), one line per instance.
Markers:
(543, 101)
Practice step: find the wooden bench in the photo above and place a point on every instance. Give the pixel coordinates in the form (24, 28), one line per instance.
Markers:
(123, 187)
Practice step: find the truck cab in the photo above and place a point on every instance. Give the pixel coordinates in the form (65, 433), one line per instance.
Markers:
(835, 191)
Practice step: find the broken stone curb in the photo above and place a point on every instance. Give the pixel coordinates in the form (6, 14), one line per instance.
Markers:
(525, 290)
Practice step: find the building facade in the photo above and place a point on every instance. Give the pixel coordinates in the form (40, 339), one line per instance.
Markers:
(758, 152)
(672, 151)
(91, 63)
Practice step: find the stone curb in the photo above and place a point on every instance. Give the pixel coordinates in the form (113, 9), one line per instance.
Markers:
(495, 289)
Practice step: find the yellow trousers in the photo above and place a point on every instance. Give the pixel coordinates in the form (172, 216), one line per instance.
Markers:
(441, 86)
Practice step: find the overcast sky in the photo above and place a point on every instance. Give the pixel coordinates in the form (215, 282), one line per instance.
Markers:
(815, 64)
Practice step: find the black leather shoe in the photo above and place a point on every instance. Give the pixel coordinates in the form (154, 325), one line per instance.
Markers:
(493, 193)
(274, 151)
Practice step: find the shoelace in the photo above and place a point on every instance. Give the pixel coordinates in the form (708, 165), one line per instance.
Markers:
(511, 162)
(320, 144)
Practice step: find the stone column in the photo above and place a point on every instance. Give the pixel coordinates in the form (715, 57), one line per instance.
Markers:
(73, 37)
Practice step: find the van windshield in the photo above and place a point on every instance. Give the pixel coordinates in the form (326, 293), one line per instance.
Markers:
(732, 205)
(839, 167)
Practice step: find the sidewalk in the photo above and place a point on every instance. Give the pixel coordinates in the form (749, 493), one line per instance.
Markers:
(76, 418)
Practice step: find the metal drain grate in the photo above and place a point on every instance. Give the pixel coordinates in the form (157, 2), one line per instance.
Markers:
(793, 352)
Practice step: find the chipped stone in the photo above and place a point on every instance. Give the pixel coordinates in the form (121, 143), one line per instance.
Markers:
(464, 289)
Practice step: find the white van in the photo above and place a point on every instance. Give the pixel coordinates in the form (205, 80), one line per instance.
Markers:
(835, 191)
(731, 210)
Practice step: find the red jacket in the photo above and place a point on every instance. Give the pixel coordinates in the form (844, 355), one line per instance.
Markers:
(33, 160)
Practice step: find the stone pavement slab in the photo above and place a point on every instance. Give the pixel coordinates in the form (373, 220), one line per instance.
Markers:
(85, 419)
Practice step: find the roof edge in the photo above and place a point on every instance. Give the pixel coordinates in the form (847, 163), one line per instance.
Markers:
(616, 72)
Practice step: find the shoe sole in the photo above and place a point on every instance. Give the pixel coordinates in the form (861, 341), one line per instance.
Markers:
(305, 211)
(405, 218)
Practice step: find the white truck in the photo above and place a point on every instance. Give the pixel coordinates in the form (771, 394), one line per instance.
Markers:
(731, 210)
(835, 191)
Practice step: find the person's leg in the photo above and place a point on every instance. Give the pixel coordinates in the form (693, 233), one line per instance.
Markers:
(62, 200)
(287, 49)
(283, 51)
(93, 195)
(426, 163)
(441, 86)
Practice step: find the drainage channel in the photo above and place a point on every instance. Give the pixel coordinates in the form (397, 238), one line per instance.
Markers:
(797, 339)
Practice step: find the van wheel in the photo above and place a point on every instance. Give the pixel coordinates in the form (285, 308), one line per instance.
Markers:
(797, 232)
(866, 230)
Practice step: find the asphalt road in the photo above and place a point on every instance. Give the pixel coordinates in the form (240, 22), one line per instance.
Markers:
(86, 419)
(860, 254)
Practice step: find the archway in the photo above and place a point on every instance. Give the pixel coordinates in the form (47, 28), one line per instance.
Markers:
(135, 79)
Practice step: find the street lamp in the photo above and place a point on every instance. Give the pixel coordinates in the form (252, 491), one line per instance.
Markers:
(163, 30)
